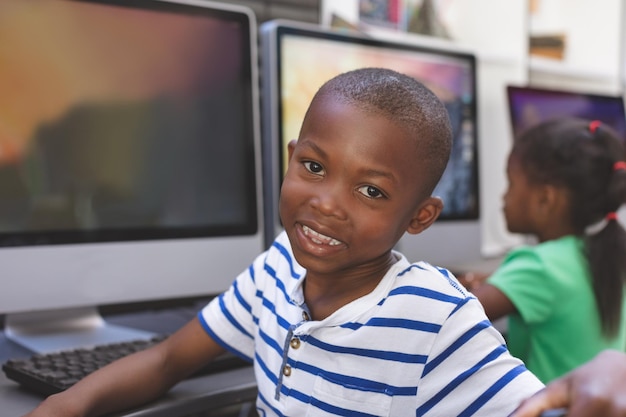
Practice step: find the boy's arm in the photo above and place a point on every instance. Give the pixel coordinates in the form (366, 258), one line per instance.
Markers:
(469, 370)
(135, 379)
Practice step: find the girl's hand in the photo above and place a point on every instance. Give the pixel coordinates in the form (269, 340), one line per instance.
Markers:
(472, 280)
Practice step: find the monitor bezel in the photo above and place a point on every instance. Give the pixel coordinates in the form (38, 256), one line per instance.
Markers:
(123, 273)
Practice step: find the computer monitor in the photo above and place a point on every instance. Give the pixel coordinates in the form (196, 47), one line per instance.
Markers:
(129, 160)
(529, 106)
(297, 58)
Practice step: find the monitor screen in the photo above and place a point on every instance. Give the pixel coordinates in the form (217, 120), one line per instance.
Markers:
(129, 151)
(530, 105)
(297, 59)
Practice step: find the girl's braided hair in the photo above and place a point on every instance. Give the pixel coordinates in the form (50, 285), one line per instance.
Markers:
(587, 159)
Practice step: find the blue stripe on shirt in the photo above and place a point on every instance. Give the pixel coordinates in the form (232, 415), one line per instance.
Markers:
(240, 298)
(219, 341)
(287, 256)
(465, 337)
(492, 391)
(353, 382)
(334, 410)
(329, 408)
(270, 306)
(452, 282)
(440, 396)
(460, 304)
(395, 323)
(425, 292)
(269, 405)
(279, 284)
(230, 317)
(370, 353)
(338, 411)
(412, 266)
(271, 342)
(266, 371)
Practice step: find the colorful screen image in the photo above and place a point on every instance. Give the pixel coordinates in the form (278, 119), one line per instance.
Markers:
(530, 106)
(123, 122)
(309, 58)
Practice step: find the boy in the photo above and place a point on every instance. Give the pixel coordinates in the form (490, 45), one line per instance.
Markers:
(336, 321)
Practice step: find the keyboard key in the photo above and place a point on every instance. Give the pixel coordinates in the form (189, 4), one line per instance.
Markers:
(54, 372)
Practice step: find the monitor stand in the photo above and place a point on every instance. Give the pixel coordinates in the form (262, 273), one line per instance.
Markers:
(55, 330)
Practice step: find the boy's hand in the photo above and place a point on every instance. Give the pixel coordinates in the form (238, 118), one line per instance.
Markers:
(55, 406)
(597, 388)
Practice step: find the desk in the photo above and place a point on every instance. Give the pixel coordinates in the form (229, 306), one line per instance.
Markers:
(189, 396)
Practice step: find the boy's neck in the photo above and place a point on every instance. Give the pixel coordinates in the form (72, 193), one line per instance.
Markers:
(325, 294)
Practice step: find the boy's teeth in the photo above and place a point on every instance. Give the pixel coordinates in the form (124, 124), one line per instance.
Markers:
(319, 238)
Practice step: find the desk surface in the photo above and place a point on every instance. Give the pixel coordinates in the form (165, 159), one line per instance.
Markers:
(189, 396)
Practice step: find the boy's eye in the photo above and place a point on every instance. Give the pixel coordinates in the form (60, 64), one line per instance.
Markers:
(313, 167)
(371, 192)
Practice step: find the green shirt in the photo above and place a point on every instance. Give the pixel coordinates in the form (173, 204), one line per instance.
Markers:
(557, 326)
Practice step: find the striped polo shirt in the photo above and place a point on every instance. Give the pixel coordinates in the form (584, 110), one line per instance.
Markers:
(417, 345)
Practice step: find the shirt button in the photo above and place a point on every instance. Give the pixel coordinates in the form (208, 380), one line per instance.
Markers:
(305, 316)
(295, 343)
(287, 370)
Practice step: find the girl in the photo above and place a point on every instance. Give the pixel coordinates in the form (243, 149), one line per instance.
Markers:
(564, 296)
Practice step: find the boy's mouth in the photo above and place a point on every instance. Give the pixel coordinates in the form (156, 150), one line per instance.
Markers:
(319, 238)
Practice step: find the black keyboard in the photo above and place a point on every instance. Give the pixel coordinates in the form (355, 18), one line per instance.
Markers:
(55, 372)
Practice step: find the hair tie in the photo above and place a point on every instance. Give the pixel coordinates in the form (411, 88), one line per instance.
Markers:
(598, 226)
(619, 166)
(593, 125)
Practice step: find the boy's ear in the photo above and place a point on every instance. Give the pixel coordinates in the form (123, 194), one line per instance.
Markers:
(290, 147)
(425, 215)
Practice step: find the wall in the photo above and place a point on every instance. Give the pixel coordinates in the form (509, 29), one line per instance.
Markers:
(301, 10)
(593, 59)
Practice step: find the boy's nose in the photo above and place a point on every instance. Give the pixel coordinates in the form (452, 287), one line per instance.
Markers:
(328, 201)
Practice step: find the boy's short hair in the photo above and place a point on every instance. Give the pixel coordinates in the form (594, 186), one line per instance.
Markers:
(405, 101)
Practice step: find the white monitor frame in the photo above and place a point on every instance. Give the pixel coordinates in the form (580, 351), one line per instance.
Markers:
(449, 242)
(51, 294)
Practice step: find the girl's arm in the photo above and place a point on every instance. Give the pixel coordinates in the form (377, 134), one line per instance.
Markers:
(494, 301)
(135, 379)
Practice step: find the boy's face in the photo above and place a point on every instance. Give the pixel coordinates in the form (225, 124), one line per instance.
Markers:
(353, 187)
